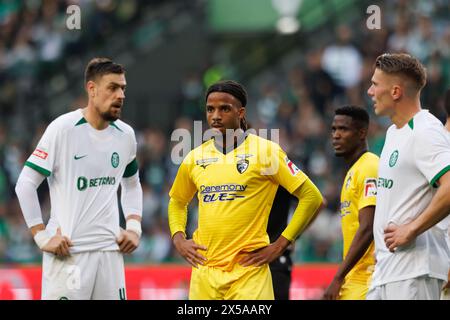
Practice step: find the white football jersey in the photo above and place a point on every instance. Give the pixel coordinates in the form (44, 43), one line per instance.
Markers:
(84, 167)
(414, 157)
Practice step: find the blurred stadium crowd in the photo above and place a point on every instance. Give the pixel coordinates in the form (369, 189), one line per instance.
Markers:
(296, 95)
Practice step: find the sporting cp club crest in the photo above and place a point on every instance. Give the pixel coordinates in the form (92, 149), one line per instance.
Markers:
(242, 165)
(115, 160)
(393, 159)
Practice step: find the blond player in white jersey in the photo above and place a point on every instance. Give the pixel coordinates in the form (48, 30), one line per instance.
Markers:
(85, 154)
(413, 198)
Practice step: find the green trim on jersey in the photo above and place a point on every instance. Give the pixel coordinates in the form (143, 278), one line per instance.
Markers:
(438, 176)
(115, 126)
(131, 169)
(45, 172)
(82, 121)
(411, 123)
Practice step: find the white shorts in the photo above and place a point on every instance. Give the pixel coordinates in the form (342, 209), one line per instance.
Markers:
(421, 288)
(94, 275)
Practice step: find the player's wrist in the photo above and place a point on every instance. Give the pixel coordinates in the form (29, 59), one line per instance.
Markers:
(42, 238)
(281, 244)
(414, 230)
(338, 277)
(178, 238)
(134, 225)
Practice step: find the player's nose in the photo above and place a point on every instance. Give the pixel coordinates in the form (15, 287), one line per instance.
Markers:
(216, 116)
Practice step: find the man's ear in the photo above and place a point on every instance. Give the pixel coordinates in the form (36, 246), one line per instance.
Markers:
(91, 88)
(242, 112)
(396, 92)
(363, 133)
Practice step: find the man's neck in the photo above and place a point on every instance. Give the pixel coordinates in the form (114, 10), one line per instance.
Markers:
(351, 159)
(93, 118)
(230, 142)
(404, 112)
(447, 124)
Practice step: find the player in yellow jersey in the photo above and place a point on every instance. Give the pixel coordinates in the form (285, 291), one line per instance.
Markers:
(358, 197)
(235, 175)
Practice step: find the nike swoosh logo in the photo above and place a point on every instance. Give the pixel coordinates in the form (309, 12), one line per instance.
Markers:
(78, 158)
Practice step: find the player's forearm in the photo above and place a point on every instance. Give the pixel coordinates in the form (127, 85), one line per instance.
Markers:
(26, 191)
(359, 246)
(437, 210)
(177, 216)
(310, 201)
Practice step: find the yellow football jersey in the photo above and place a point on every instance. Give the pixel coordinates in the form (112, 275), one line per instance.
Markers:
(359, 191)
(235, 193)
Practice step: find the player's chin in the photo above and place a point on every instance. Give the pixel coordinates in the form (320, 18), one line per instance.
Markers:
(218, 130)
(113, 114)
(377, 110)
(339, 153)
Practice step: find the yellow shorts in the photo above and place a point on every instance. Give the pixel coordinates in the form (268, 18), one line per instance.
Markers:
(352, 290)
(241, 283)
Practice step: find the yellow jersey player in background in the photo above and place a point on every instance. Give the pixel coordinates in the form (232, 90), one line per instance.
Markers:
(235, 175)
(358, 198)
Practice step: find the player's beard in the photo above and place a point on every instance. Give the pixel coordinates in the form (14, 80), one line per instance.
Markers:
(110, 115)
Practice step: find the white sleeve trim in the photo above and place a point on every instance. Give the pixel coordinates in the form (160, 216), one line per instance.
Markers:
(26, 190)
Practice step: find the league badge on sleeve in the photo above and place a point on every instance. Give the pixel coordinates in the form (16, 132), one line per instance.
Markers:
(370, 187)
(40, 154)
(292, 167)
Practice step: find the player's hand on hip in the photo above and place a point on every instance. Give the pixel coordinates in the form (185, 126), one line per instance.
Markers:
(188, 250)
(260, 256)
(395, 236)
(266, 254)
(128, 241)
(58, 245)
(333, 290)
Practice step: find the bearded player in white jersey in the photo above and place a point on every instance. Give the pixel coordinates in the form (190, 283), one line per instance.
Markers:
(413, 196)
(85, 155)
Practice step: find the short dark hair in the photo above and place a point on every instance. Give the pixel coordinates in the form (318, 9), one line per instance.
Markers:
(447, 102)
(101, 66)
(404, 65)
(359, 115)
(231, 87)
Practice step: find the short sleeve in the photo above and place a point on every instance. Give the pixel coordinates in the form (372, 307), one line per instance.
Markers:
(282, 170)
(133, 147)
(132, 165)
(43, 158)
(432, 153)
(367, 184)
